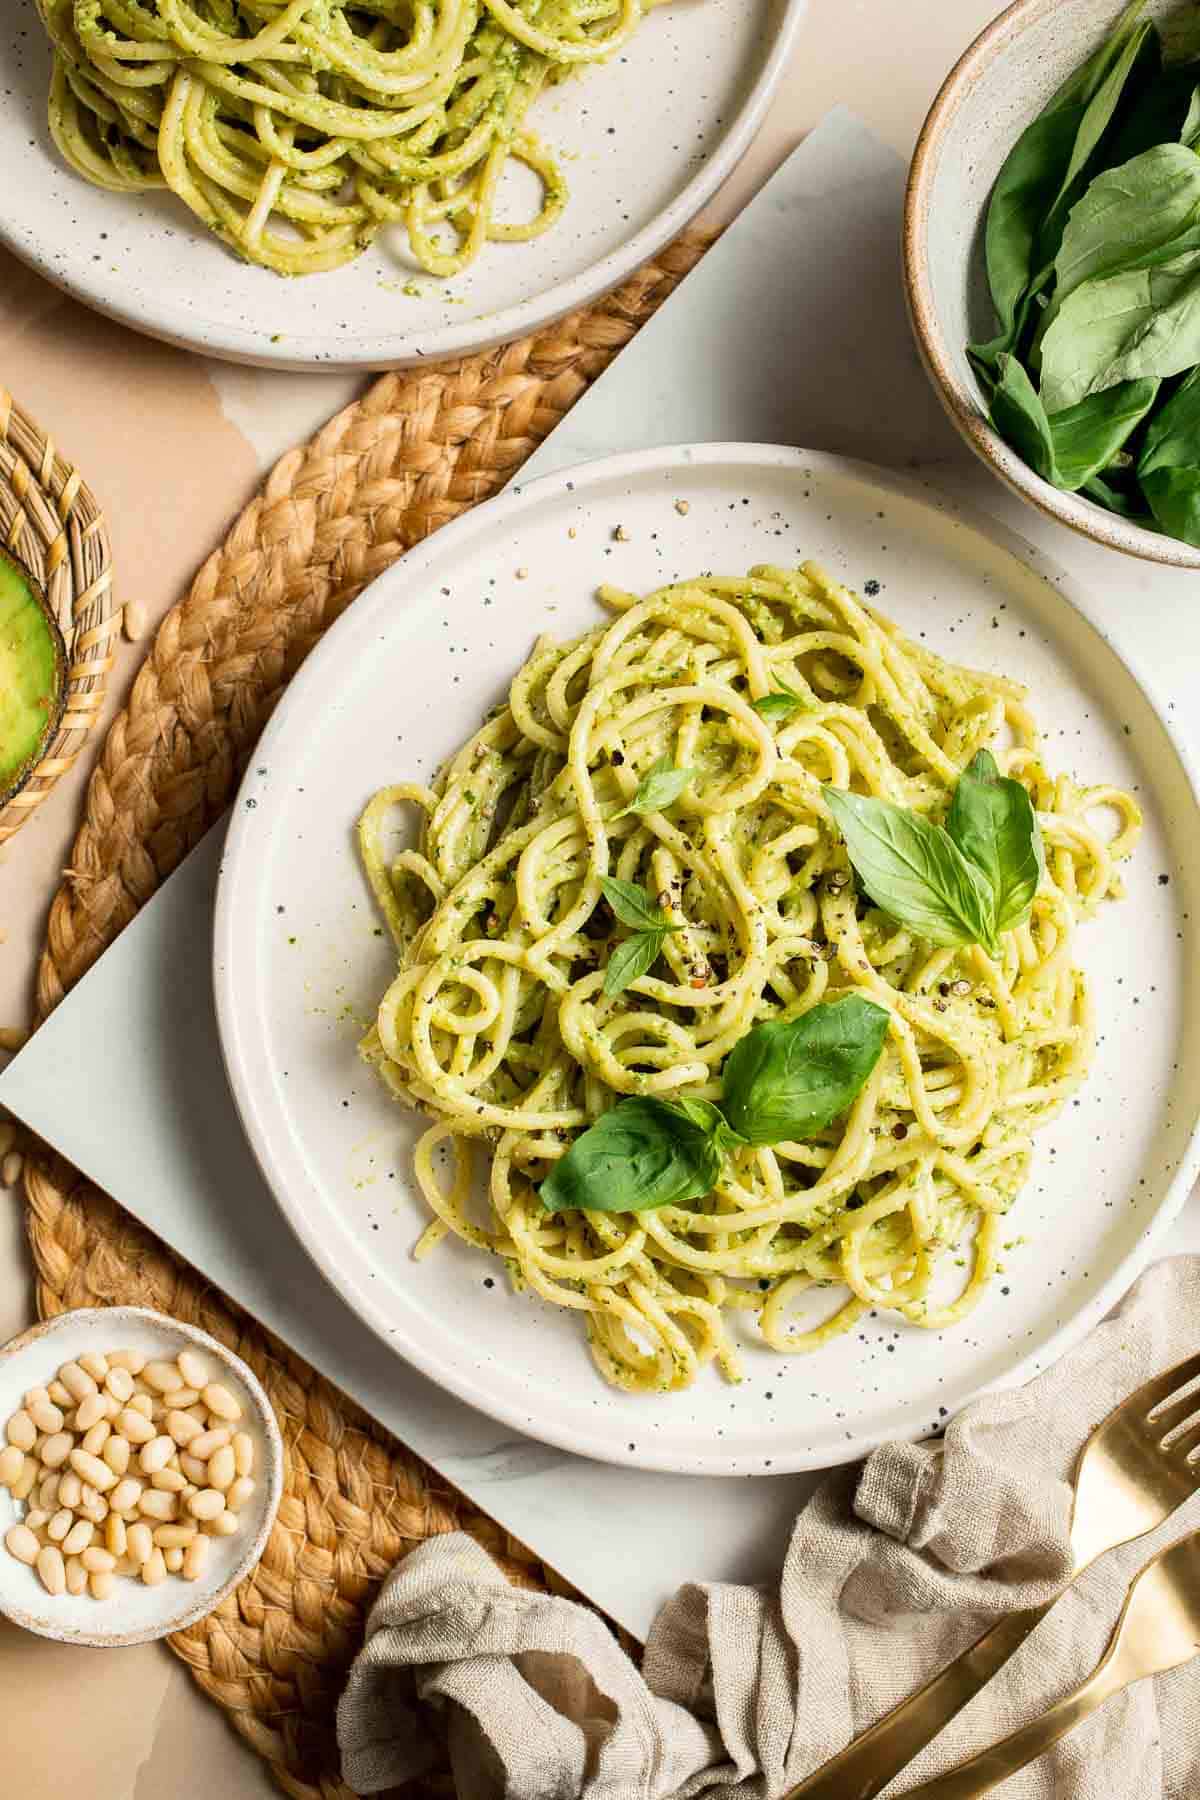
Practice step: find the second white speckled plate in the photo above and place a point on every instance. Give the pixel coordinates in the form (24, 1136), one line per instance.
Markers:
(403, 679)
(645, 141)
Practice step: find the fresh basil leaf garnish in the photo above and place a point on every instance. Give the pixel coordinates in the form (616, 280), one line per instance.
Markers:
(780, 703)
(914, 871)
(1070, 447)
(633, 905)
(644, 1153)
(786, 1080)
(1126, 212)
(659, 788)
(1142, 321)
(632, 958)
(992, 821)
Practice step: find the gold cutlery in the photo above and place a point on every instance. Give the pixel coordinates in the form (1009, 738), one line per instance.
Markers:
(1127, 1483)
(1159, 1629)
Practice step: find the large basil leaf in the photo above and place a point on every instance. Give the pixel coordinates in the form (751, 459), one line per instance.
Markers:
(787, 1080)
(660, 787)
(1072, 446)
(1172, 439)
(1141, 322)
(1174, 496)
(1043, 174)
(1126, 211)
(634, 957)
(914, 871)
(992, 821)
(643, 1153)
(633, 905)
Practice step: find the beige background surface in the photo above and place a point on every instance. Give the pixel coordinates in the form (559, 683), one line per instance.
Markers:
(130, 1725)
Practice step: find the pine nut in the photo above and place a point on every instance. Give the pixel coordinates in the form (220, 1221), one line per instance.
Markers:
(52, 1570)
(133, 620)
(45, 1416)
(156, 1454)
(194, 1559)
(119, 1383)
(209, 1442)
(243, 1452)
(162, 1377)
(134, 1426)
(174, 1561)
(194, 1469)
(172, 1537)
(12, 1462)
(182, 1427)
(79, 1537)
(116, 1453)
(187, 1492)
(154, 1569)
(224, 1525)
(181, 1398)
(20, 1542)
(101, 1584)
(90, 1410)
(193, 1368)
(219, 1400)
(139, 1542)
(131, 1360)
(56, 1449)
(116, 1537)
(59, 1394)
(222, 1468)
(24, 1485)
(92, 1507)
(93, 1364)
(21, 1430)
(90, 1469)
(77, 1381)
(95, 1439)
(157, 1505)
(125, 1495)
(77, 1576)
(60, 1525)
(35, 1518)
(143, 1404)
(70, 1489)
(97, 1561)
(47, 1494)
(33, 1396)
(10, 1169)
(168, 1481)
(209, 1503)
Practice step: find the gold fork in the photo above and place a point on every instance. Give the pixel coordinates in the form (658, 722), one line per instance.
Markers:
(1159, 1629)
(1127, 1483)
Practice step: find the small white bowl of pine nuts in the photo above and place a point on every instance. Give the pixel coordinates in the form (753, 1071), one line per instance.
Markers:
(141, 1469)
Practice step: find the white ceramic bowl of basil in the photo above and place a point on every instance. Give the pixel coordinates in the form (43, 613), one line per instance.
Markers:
(1006, 80)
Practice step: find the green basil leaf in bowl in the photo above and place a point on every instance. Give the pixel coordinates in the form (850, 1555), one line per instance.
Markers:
(788, 1079)
(643, 1153)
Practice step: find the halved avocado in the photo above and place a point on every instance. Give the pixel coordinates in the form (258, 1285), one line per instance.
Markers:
(33, 676)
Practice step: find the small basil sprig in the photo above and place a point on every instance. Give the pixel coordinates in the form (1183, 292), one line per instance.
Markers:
(784, 1080)
(659, 788)
(780, 703)
(649, 924)
(961, 883)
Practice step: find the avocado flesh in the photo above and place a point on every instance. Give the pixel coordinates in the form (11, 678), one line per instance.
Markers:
(32, 677)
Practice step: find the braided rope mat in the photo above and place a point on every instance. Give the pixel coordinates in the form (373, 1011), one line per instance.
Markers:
(50, 521)
(417, 450)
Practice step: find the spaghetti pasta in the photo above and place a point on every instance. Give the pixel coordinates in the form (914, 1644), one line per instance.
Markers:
(297, 129)
(498, 1023)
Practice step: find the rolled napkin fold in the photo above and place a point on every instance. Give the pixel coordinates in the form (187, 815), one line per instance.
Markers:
(893, 1568)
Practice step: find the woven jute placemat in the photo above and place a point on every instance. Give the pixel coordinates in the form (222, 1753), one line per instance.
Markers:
(417, 450)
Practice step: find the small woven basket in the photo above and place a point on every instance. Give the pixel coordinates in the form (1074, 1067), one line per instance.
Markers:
(50, 521)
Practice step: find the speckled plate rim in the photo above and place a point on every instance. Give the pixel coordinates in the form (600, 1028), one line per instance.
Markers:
(233, 947)
(959, 400)
(227, 340)
(208, 1600)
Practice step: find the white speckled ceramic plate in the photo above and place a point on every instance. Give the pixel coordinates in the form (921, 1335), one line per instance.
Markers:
(401, 681)
(645, 140)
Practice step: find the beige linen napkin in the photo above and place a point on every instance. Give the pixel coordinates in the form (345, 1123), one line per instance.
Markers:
(893, 1568)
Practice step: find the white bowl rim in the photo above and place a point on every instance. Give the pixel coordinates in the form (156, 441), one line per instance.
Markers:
(201, 1605)
(960, 401)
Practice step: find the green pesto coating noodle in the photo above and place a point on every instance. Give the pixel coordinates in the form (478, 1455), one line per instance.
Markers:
(297, 129)
(497, 1025)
